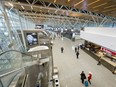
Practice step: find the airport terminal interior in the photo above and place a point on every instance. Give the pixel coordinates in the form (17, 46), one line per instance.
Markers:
(57, 43)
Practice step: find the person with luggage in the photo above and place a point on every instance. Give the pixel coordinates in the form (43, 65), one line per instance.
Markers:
(83, 76)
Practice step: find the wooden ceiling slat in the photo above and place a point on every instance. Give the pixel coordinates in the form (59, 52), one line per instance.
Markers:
(95, 1)
(104, 7)
(110, 6)
(99, 5)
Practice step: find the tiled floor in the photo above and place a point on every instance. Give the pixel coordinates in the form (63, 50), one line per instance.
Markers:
(70, 67)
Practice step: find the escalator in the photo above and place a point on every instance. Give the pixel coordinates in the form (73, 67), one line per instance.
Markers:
(15, 68)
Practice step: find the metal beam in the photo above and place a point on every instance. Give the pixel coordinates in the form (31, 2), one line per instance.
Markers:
(77, 11)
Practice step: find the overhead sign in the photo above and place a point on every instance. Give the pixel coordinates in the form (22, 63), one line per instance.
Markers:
(108, 51)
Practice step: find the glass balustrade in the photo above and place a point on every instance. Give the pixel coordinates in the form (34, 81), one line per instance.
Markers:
(11, 62)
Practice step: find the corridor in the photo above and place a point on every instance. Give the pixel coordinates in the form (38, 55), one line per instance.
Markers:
(70, 67)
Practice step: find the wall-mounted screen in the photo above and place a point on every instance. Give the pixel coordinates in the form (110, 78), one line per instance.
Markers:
(39, 26)
(32, 38)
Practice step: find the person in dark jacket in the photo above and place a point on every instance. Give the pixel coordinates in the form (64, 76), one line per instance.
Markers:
(77, 54)
(75, 49)
(99, 61)
(83, 76)
(62, 49)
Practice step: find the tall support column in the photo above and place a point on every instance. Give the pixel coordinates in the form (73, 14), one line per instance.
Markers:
(105, 22)
(25, 23)
(23, 37)
(93, 19)
(102, 21)
(113, 24)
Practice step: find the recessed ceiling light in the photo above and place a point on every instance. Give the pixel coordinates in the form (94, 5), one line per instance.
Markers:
(56, 11)
(22, 7)
(32, 7)
(10, 4)
(54, 1)
(68, 0)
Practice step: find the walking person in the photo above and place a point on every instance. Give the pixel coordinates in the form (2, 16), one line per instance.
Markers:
(75, 49)
(89, 77)
(62, 49)
(77, 54)
(83, 76)
(99, 61)
(78, 48)
(86, 83)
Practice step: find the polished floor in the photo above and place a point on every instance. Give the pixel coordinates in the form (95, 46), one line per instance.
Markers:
(70, 67)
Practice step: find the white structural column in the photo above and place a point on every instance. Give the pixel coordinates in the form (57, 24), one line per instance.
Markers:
(22, 31)
(93, 19)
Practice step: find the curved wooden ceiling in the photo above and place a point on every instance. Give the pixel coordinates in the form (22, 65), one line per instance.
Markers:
(105, 7)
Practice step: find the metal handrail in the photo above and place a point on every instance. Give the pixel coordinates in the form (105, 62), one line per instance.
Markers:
(6, 74)
(18, 68)
(15, 51)
(25, 80)
(10, 72)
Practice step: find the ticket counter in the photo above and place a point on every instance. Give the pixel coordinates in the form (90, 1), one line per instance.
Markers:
(108, 58)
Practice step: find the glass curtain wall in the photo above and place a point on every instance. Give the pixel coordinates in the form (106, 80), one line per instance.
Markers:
(4, 35)
(9, 38)
(15, 25)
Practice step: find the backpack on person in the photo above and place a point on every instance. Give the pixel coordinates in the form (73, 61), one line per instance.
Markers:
(86, 83)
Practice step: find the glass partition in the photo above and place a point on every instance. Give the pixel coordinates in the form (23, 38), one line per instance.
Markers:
(11, 62)
(16, 22)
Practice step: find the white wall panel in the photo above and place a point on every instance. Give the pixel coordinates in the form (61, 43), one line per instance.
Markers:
(101, 30)
(103, 37)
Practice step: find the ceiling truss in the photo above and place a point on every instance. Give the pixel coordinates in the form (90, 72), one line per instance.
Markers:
(59, 18)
